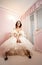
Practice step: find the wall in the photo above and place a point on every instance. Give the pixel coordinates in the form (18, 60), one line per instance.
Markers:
(39, 17)
(38, 40)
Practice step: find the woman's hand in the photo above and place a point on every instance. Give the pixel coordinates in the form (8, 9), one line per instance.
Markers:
(20, 35)
(18, 41)
(15, 35)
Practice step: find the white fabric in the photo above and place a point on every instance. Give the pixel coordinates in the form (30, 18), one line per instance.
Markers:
(11, 42)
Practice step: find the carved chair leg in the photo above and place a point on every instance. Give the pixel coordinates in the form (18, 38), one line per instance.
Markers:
(28, 54)
(6, 56)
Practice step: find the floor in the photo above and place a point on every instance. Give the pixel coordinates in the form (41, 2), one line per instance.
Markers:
(19, 60)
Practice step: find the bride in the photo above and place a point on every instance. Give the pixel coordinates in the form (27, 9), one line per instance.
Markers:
(17, 44)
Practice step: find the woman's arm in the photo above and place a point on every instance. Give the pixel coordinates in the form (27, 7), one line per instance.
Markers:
(13, 33)
(22, 34)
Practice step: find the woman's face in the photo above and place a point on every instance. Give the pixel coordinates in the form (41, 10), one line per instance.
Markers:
(18, 24)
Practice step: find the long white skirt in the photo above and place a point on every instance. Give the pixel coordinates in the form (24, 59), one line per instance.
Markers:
(11, 43)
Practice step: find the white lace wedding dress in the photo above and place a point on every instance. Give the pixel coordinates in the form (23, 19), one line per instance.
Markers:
(11, 42)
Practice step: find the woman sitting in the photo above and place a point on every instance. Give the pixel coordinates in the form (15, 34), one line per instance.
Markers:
(17, 44)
